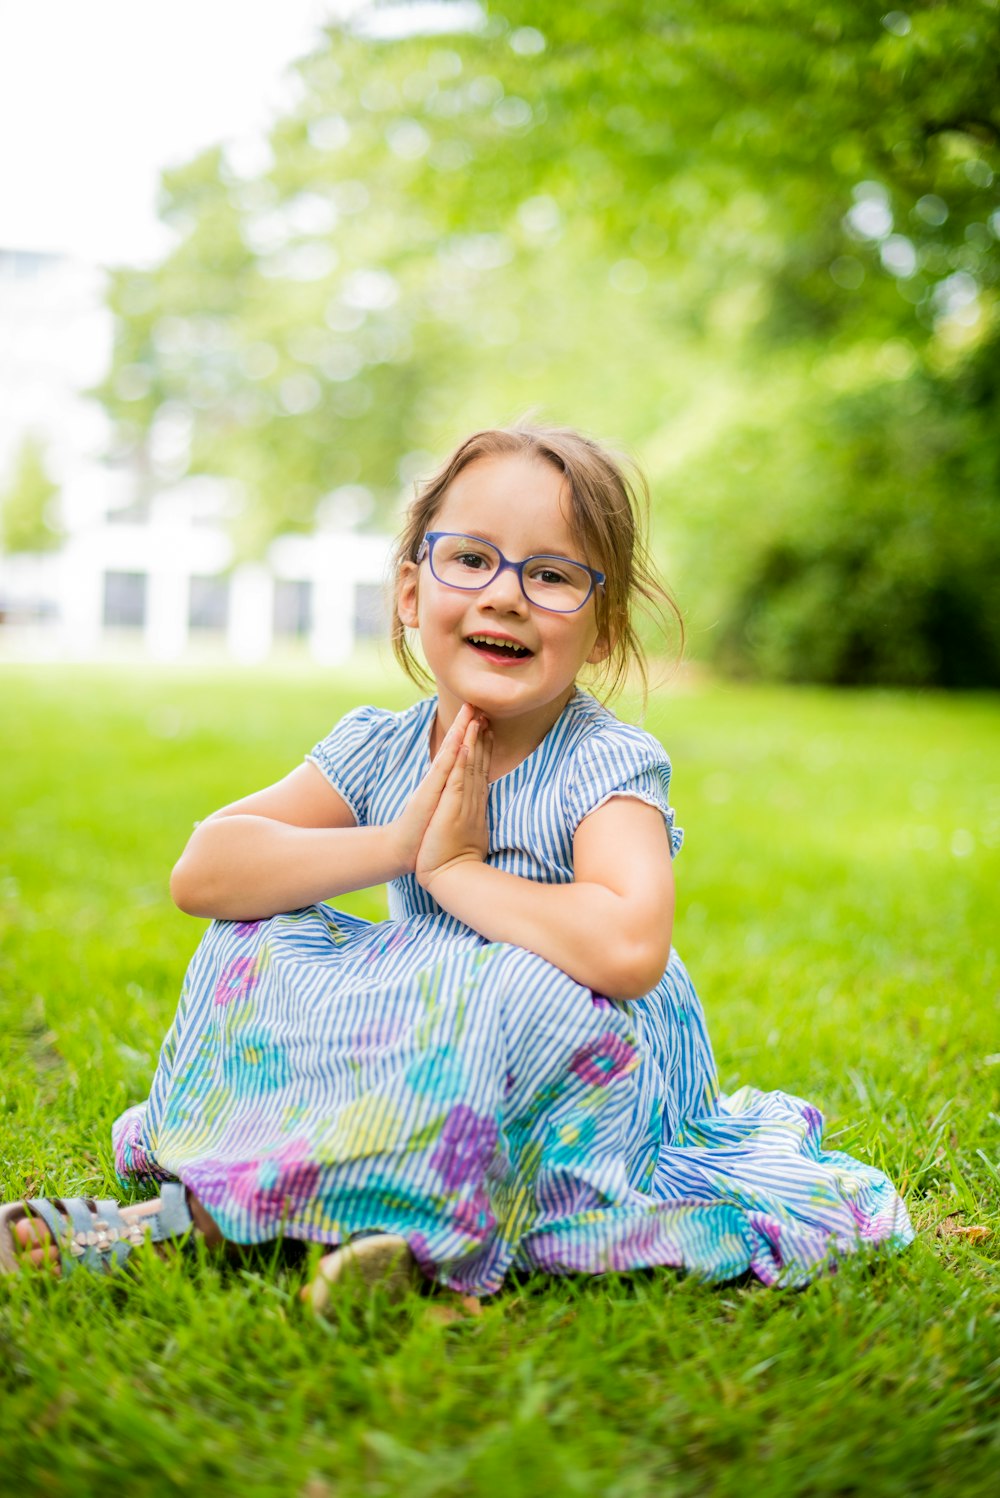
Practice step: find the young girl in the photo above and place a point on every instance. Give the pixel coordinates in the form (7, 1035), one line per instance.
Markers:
(513, 1070)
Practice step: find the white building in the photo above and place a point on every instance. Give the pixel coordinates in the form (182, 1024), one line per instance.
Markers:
(158, 576)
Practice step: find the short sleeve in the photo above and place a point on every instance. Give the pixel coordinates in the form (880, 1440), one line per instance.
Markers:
(625, 762)
(351, 756)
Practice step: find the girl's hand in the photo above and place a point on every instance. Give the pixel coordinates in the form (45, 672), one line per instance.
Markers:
(458, 832)
(408, 829)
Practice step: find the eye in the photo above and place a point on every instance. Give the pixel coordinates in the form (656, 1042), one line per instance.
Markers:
(545, 572)
(464, 554)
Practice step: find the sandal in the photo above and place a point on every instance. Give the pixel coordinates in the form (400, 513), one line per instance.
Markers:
(92, 1233)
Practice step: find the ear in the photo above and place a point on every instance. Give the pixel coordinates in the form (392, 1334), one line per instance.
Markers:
(406, 594)
(603, 647)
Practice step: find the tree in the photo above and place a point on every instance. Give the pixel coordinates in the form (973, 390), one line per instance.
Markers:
(757, 229)
(27, 505)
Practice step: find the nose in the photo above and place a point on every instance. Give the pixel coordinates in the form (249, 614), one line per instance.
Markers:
(503, 592)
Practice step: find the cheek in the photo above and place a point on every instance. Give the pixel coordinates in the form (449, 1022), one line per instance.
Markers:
(441, 608)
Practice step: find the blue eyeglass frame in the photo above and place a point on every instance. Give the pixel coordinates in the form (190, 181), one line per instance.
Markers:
(597, 579)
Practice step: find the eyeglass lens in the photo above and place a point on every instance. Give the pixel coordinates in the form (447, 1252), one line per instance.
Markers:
(551, 582)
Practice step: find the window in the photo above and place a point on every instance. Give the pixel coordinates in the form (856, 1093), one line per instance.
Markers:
(208, 603)
(371, 616)
(25, 265)
(124, 600)
(292, 608)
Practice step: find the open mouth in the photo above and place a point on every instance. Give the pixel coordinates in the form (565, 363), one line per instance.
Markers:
(489, 645)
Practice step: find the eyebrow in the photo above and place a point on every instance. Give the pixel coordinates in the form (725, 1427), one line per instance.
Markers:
(537, 551)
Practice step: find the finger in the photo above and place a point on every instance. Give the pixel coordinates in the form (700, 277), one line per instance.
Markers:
(470, 746)
(467, 712)
(480, 764)
(469, 741)
(447, 756)
(474, 778)
(455, 780)
(471, 752)
(483, 810)
(487, 754)
(455, 733)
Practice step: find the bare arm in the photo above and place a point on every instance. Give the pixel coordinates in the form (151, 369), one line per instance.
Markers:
(243, 866)
(610, 929)
(296, 842)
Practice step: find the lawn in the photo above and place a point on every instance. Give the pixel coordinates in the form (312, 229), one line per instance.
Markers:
(837, 908)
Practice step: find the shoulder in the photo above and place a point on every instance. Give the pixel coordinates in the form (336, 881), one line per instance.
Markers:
(599, 737)
(355, 752)
(609, 758)
(371, 725)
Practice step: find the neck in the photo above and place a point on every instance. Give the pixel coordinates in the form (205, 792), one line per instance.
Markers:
(513, 738)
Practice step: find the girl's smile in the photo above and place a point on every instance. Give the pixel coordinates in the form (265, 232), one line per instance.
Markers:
(513, 660)
(501, 648)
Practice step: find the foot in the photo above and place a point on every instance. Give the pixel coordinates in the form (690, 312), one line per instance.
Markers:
(35, 1246)
(379, 1260)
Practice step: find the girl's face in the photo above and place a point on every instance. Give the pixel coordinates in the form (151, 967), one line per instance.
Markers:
(522, 505)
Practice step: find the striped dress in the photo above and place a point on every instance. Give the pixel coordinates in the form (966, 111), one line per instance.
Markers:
(326, 1075)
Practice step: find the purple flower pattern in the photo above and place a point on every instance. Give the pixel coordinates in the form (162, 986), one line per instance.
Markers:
(601, 1061)
(498, 1131)
(464, 1147)
(237, 980)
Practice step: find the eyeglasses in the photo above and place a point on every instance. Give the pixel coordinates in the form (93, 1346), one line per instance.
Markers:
(469, 563)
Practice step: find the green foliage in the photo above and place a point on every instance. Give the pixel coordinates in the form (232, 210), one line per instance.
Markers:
(27, 503)
(692, 229)
(883, 572)
(837, 911)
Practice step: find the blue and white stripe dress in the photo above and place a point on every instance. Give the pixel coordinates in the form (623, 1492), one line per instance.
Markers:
(326, 1075)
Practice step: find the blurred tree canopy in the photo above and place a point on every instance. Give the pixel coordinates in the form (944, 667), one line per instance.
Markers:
(27, 502)
(758, 243)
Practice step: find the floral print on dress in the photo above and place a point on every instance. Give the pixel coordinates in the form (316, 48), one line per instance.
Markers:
(466, 1142)
(326, 1075)
(255, 1062)
(237, 980)
(603, 1060)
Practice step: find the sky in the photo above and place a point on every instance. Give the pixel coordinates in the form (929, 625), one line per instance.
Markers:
(98, 96)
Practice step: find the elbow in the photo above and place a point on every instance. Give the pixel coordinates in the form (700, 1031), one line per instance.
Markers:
(635, 963)
(194, 878)
(190, 887)
(183, 890)
(636, 969)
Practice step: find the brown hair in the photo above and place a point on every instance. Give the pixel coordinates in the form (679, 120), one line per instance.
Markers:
(609, 518)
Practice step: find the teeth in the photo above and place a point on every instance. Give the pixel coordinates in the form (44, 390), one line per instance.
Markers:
(496, 644)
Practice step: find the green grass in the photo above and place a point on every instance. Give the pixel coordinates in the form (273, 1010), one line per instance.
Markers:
(838, 912)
